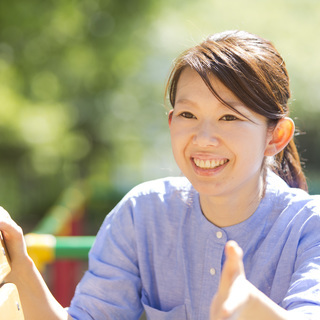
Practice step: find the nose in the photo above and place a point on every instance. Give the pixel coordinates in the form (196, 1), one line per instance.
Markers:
(206, 135)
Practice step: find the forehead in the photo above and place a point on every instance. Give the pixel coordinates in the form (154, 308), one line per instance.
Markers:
(190, 84)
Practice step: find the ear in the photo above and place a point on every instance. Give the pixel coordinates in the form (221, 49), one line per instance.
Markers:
(170, 117)
(280, 136)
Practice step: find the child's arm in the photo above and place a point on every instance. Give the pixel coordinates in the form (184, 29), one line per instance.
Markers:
(36, 299)
(237, 298)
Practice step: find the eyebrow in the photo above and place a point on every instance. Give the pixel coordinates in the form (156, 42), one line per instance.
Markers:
(187, 101)
(232, 103)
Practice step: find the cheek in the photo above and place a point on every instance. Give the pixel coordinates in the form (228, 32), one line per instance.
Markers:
(179, 143)
(178, 134)
(250, 145)
(176, 139)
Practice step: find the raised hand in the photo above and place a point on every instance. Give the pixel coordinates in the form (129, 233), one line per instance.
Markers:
(237, 298)
(233, 296)
(37, 301)
(15, 243)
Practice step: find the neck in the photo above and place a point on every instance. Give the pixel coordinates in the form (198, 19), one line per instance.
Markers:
(228, 210)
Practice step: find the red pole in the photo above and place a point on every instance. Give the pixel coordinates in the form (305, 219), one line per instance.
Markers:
(67, 273)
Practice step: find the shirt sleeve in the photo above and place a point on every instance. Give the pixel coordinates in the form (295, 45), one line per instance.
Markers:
(303, 296)
(111, 288)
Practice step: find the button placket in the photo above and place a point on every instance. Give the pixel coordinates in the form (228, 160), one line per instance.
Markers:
(211, 279)
(219, 235)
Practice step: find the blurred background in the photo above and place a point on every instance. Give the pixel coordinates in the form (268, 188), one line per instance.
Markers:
(82, 91)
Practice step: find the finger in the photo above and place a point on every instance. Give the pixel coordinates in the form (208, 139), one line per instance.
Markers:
(12, 234)
(234, 256)
(237, 298)
(233, 281)
(232, 268)
(9, 228)
(4, 214)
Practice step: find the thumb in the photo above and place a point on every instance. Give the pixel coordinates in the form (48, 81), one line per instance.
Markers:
(233, 266)
(226, 302)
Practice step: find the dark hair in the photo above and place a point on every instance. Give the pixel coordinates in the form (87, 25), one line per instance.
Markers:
(254, 71)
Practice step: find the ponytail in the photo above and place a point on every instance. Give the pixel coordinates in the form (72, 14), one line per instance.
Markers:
(288, 167)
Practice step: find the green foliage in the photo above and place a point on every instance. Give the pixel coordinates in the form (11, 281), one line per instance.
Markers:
(61, 68)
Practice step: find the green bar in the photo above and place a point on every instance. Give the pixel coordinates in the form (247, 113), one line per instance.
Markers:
(73, 247)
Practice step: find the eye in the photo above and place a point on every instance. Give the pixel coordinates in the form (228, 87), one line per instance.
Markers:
(229, 117)
(187, 115)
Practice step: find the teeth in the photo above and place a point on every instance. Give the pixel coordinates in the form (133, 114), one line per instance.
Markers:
(209, 164)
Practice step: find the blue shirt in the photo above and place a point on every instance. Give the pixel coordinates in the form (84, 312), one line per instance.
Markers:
(156, 251)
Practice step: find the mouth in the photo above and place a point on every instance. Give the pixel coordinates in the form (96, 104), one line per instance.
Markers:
(209, 164)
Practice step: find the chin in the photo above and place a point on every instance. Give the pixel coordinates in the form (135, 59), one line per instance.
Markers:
(208, 189)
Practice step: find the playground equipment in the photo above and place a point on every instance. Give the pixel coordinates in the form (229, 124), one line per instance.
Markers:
(56, 243)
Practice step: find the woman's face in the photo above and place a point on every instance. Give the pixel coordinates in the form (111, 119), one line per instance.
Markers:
(220, 151)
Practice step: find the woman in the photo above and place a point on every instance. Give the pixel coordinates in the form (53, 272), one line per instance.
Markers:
(236, 237)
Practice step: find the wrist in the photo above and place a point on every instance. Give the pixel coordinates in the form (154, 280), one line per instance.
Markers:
(21, 270)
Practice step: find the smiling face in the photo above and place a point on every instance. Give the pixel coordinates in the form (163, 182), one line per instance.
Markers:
(219, 150)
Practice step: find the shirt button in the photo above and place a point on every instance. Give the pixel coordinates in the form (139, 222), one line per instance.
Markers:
(219, 234)
(212, 271)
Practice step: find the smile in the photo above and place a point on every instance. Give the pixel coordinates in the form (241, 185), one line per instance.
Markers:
(209, 164)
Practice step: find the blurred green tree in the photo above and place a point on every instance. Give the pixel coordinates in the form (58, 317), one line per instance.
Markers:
(62, 64)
